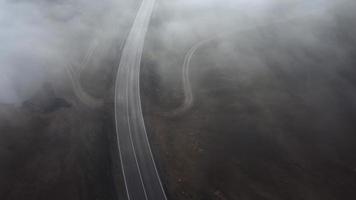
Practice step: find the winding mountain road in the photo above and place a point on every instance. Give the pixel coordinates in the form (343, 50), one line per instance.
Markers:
(79, 91)
(141, 177)
(187, 89)
(140, 173)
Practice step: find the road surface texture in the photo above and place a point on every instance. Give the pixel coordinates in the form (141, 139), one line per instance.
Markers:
(138, 166)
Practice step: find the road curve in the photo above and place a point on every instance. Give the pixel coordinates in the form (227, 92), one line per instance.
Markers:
(79, 92)
(75, 74)
(187, 89)
(140, 173)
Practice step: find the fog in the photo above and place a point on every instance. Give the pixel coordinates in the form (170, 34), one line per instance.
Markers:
(40, 38)
(179, 25)
(242, 99)
(273, 98)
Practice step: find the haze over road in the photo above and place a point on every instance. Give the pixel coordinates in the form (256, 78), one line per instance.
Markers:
(178, 100)
(140, 174)
(187, 88)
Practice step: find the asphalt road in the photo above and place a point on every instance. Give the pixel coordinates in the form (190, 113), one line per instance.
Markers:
(262, 98)
(141, 177)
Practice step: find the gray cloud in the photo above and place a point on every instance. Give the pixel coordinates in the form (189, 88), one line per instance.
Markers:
(39, 38)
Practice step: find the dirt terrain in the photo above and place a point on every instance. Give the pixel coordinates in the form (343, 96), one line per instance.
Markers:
(272, 120)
